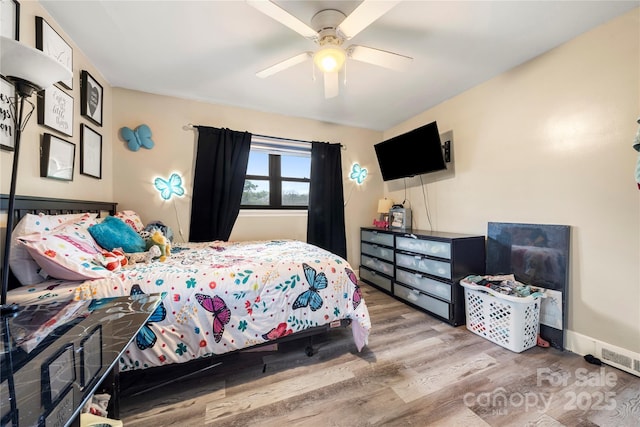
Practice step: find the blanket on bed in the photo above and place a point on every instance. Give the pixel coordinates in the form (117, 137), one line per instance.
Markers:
(226, 296)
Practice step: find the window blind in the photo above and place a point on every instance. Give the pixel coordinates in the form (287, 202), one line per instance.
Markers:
(280, 146)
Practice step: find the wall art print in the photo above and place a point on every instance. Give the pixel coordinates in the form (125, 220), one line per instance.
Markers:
(51, 43)
(7, 131)
(57, 158)
(91, 94)
(10, 19)
(90, 152)
(55, 110)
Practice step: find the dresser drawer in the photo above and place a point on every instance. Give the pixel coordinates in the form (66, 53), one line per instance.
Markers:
(373, 236)
(375, 278)
(377, 251)
(424, 284)
(424, 265)
(426, 247)
(430, 304)
(376, 264)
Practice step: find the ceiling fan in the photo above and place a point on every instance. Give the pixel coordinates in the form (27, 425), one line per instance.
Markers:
(329, 29)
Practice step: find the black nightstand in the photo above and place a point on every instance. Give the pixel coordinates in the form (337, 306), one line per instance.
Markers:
(47, 382)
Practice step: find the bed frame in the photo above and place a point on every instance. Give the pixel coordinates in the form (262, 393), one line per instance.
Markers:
(51, 206)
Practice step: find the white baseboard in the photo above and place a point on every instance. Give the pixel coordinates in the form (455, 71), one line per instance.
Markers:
(610, 354)
(579, 344)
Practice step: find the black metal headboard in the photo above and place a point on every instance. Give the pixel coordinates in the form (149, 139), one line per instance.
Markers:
(28, 204)
(34, 205)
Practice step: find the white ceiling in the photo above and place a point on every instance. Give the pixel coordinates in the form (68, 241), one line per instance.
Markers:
(211, 50)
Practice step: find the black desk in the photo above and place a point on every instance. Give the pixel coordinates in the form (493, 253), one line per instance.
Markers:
(48, 383)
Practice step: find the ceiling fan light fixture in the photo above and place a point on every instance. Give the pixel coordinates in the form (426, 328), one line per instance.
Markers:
(330, 58)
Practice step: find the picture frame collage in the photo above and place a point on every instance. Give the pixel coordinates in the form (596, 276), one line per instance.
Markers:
(55, 106)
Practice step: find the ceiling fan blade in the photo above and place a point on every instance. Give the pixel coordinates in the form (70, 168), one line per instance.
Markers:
(283, 65)
(379, 57)
(331, 84)
(276, 12)
(365, 14)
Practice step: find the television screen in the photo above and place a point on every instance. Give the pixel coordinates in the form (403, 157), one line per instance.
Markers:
(413, 153)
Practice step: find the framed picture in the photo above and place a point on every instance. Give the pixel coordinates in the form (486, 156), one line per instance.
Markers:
(90, 356)
(90, 152)
(10, 19)
(57, 376)
(7, 131)
(90, 98)
(57, 158)
(55, 110)
(50, 42)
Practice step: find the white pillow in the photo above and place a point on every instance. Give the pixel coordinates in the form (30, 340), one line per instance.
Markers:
(132, 219)
(24, 267)
(67, 252)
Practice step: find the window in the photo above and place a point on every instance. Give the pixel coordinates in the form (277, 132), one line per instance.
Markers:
(277, 175)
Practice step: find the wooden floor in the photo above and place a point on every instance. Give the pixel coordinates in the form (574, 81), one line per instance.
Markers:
(416, 371)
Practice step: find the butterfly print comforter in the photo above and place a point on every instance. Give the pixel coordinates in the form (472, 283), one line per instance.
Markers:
(225, 296)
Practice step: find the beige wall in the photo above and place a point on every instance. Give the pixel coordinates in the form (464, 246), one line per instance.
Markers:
(550, 142)
(29, 182)
(174, 152)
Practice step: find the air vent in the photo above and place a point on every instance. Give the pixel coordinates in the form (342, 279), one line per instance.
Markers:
(618, 357)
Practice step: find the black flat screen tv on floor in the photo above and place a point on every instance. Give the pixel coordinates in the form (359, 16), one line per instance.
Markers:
(413, 153)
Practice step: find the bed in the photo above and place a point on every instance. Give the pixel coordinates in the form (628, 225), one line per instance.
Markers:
(220, 297)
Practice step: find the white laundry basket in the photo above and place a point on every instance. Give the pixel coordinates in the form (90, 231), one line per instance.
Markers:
(512, 322)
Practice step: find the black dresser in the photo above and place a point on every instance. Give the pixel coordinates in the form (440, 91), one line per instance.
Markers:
(422, 268)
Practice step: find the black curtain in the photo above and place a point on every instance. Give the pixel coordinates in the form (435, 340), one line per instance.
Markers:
(325, 223)
(221, 165)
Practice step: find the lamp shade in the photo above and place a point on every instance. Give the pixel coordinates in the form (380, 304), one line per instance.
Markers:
(384, 205)
(21, 62)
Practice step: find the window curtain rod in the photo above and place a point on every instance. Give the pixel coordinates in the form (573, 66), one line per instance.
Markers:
(190, 126)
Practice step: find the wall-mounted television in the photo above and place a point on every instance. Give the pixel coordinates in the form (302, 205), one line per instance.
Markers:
(413, 153)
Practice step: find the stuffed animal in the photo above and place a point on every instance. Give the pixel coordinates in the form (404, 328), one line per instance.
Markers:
(164, 229)
(143, 257)
(112, 260)
(158, 240)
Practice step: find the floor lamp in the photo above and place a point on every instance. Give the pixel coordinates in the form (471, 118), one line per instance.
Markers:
(30, 70)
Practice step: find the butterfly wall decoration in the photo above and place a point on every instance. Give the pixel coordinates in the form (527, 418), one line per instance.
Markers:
(358, 173)
(138, 137)
(169, 187)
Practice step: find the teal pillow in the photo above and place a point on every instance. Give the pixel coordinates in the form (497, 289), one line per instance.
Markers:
(114, 233)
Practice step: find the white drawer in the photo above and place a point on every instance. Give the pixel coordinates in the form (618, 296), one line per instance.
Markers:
(426, 247)
(377, 251)
(424, 284)
(375, 278)
(376, 264)
(433, 305)
(373, 236)
(424, 265)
